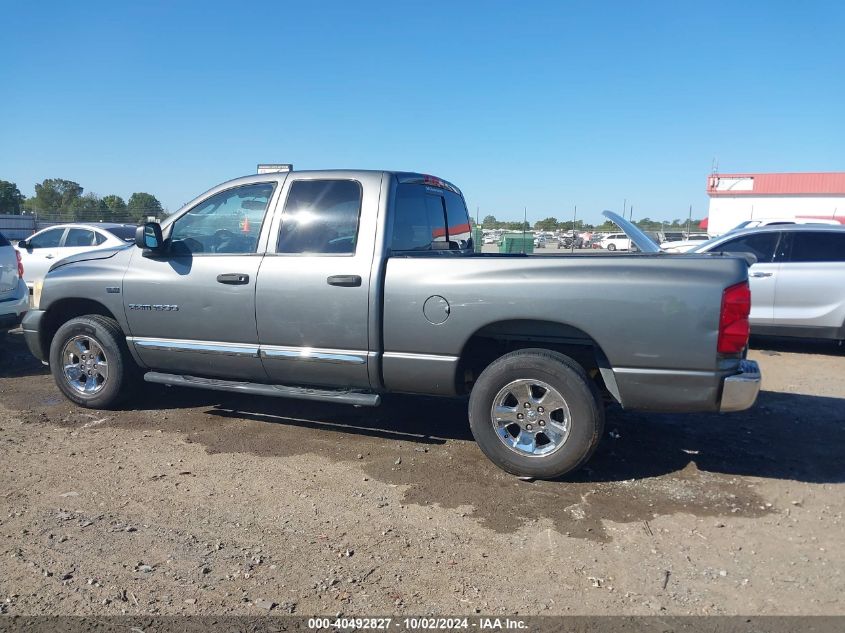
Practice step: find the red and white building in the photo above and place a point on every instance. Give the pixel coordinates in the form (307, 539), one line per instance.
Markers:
(735, 198)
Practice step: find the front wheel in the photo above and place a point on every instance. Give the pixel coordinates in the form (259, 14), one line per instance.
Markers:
(536, 413)
(611, 247)
(90, 361)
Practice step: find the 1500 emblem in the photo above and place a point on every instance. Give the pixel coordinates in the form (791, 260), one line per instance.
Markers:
(155, 307)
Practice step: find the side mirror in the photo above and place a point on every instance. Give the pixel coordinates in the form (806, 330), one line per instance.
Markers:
(24, 245)
(148, 236)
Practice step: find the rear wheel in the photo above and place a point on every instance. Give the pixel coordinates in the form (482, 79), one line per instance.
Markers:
(90, 361)
(536, 413)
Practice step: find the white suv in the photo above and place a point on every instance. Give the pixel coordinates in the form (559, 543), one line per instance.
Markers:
(796, 281)
(616, 242)
(14, 297)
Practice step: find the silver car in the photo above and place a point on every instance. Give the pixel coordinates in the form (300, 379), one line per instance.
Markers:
(798, 280)
(14, 297)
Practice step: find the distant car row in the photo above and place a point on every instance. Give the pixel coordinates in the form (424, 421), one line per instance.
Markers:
(796, 274)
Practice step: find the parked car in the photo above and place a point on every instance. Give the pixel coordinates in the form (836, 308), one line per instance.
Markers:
(797, 284)
(751, 224)
(616, 242)
(682, 246)
(42, 249)
(540, 241)
(570, 241)
(14, 297)
(341, 286)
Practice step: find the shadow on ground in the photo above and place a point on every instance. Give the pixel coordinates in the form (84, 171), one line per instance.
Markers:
(646, 466)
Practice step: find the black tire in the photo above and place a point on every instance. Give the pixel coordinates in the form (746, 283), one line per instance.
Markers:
(559, 372)
(121, 367)
(611, 247)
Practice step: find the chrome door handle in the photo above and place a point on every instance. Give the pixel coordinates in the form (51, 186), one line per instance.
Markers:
(233, 279)
(349, 281)
(761, 274)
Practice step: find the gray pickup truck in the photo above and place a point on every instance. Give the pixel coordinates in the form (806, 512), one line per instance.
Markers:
(344, 285)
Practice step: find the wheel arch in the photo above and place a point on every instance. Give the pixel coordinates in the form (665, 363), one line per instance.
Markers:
(498, 338)
(62, 311)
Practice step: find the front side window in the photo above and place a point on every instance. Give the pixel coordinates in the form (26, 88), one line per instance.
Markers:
(226, 223)
(321, 218)
(761, 245)
(79, 237)
(47, 239)
(817, 247)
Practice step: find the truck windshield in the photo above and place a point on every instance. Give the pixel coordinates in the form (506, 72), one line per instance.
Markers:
(429, 218)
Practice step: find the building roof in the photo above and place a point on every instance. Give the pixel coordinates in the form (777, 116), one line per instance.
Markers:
(790, 184)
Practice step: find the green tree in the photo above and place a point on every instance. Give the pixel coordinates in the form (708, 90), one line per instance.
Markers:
(115, 205)
(56, 195)
(546, 224)
(10, 198)
(88, 208)
(141, 205)
(489, 222)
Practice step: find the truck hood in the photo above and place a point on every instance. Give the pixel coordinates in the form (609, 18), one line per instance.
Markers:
(643, 241)
(103, 253)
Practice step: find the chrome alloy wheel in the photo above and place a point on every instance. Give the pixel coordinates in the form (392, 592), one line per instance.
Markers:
(531, 417)
(84, 365)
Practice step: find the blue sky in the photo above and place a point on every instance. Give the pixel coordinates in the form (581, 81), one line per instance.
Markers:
(544, 105)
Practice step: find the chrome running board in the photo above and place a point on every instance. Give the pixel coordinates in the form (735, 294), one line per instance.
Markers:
(356, 398)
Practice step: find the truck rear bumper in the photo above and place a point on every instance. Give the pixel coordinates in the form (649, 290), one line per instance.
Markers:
(681, 391)
(739, 392)
(14, 307)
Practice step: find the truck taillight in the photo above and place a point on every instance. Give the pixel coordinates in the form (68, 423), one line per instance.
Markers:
(20, 264)
(733, 319)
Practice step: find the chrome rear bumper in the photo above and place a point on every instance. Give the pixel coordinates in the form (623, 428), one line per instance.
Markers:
(739, 392)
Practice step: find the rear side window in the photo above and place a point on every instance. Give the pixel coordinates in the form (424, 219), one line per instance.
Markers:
(79, 237)
(429, 218)
(3, 240)
(321, 217)
(761, 245)
(817, 247)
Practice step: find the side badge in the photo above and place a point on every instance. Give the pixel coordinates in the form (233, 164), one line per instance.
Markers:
(113, 290)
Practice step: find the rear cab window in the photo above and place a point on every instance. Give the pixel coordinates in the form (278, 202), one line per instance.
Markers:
(429, 215)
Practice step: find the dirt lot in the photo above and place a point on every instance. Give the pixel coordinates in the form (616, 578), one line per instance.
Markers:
(197, 502)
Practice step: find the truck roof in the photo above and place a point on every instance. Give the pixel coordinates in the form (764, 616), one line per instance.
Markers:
(402, 176)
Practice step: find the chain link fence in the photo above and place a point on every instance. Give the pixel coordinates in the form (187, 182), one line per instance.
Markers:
(19, 227)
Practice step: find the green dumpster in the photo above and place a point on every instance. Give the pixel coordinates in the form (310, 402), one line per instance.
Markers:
(477, 239)
(517, 243)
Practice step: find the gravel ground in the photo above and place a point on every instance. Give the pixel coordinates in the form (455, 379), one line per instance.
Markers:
(191, 502)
